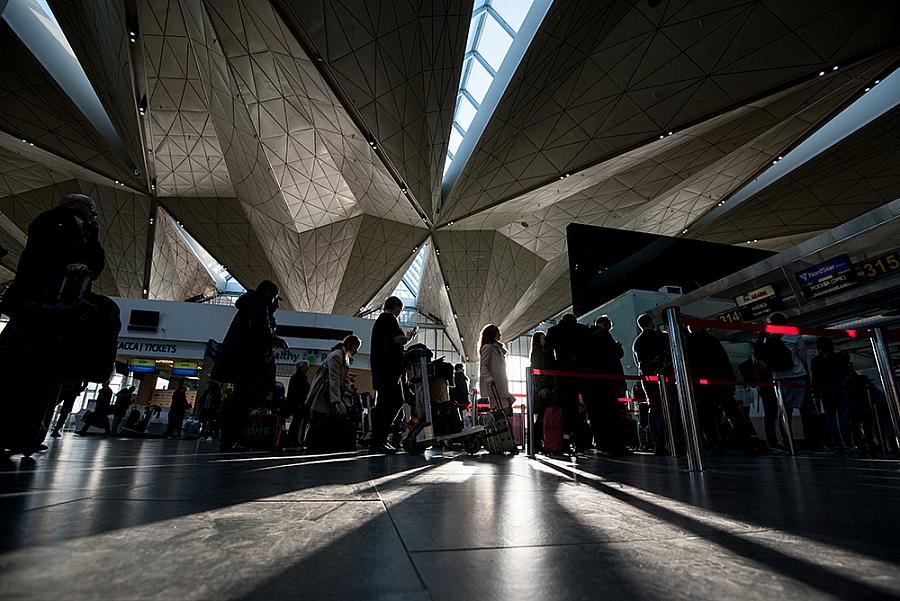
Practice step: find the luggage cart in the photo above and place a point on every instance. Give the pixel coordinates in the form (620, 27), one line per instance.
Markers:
(418, 359)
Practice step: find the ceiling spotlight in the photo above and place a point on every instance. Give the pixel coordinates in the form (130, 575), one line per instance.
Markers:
(437, 251)
(834, 68)
(755, 240)
(779, 158)
(684, 231)
(877, 81)
(403, 189)
(524, 224)
(661, 136)
(670, 133)
(774, 162)
(449, 223)
(821, 73)
(867, 89)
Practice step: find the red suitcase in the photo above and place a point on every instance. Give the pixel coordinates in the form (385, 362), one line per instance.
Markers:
(554, 430)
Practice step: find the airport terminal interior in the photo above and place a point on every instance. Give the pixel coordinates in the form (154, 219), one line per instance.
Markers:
(449, 299)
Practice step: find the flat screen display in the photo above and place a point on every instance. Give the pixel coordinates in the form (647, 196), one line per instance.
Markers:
(606, 262)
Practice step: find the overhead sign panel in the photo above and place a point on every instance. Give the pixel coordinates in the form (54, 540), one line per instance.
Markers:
(827, 277)
(754, 295)
(144, 366)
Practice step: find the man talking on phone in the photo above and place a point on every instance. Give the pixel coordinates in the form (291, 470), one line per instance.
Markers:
(388, 341)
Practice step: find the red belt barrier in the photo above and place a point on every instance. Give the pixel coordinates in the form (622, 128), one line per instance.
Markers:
(771, 329)
(702, 381)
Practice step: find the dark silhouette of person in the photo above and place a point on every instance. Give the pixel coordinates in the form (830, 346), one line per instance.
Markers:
(607, 414)
(542, 386)
(207, 409)
(388, 341)
(830, 374)
(120, 408)
(568, 343)
(67, 395)
(460, 389)
(62, 242)
(99, 417)
(653, 357)
(246, 358)
(297, 393)
(708, 360)
(177, 410)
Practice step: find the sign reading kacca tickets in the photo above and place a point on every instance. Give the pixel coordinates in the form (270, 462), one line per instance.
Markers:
(827, 277)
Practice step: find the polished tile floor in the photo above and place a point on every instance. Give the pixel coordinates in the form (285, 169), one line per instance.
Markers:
(129, 519)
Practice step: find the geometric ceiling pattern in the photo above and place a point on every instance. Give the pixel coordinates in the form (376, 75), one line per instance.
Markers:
(304, 142)
(177, 274)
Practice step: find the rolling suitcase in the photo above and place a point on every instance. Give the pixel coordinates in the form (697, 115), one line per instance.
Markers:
(498, 436)
(554, 430)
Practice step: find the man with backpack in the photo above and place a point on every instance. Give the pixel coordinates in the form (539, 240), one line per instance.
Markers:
(785, 355)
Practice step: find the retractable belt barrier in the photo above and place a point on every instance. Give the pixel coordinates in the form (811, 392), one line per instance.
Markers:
(878, 337)
(702, 381)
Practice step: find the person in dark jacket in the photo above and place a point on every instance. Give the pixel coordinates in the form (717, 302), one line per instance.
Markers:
(246, 358)
(63, 241)
(207, 409)
(177, 410)
(708, 360)
(460, 390)
(120, 409)
(606, 413)
(542, 386)
(99, 417)
(830, 372)
(298, 391)
(568, 344)
(67, 395)
(388, 342)
(653, 357)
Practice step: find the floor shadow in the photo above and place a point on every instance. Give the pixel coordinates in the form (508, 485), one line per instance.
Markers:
(802, 570)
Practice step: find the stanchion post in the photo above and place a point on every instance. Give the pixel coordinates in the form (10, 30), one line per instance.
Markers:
(685, 390)
(888, 383)
(783, 417)
(667, 415)
(529, 411)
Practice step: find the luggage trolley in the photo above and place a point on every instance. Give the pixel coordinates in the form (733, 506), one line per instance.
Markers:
(420, 368)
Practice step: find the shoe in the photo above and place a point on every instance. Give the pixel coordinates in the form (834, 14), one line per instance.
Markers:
(55, 434)
(383, 449)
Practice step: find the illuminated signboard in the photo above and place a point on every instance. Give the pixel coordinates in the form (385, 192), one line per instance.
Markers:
(144, 366)
(184, 368)
(880, 266)
(827, 277)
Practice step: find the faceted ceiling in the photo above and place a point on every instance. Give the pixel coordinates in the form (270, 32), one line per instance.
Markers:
(304, 141)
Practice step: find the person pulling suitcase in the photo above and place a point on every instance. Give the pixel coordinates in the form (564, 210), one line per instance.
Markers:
(50, 305)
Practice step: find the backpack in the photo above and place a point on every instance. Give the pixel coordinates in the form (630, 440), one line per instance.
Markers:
(776, 355)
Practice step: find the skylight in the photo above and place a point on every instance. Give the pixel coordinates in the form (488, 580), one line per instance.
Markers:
(225, 282)
(499, 34)
(33, 21)
(408, 288)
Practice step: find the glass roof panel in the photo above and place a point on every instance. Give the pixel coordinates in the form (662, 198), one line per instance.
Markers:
(494, 25)
(494, 42)
(478, 81)
(408, 288)
(465, 112)
(511, 11)
(455, 140)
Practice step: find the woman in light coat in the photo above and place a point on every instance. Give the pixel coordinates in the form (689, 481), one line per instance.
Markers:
(326, 391)
(492, 377)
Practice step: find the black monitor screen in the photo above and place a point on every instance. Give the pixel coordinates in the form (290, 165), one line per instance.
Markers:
(143, 321)
(605, 263)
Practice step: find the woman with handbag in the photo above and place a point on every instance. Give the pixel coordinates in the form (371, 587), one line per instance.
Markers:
(329, 428)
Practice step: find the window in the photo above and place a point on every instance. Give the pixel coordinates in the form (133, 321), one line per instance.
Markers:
(492, 31)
